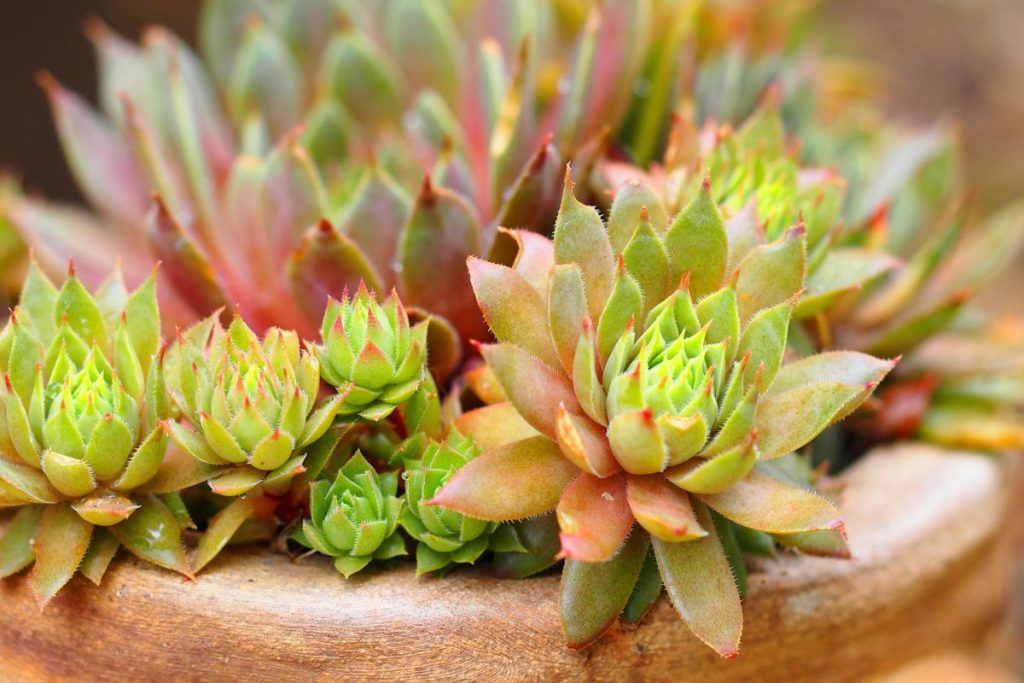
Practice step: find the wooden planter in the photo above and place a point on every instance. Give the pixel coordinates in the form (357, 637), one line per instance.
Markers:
(928, 574)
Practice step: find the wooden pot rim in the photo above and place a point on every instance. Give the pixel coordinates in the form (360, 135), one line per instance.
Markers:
(927, 572)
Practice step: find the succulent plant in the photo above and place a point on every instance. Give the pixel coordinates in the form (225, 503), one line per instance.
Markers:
(761, 189)
(444, 536)
(251, 412)
(907, 198)
(890, 264)
(633, 403)
(371, 354)
(83, 434)
(354, 518)
(288, 161)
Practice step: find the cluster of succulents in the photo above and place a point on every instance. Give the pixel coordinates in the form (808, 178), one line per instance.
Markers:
(639, 396)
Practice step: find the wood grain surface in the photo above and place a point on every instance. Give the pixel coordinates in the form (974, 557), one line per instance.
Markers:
(928, 574)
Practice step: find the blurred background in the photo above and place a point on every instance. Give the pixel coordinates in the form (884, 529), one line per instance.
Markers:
(957, 58)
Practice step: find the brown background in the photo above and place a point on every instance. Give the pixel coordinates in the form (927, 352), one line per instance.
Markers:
(47, 34)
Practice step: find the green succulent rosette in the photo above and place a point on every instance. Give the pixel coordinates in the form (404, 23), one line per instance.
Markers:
(83, 432)
(371, 354)
(893, 256)
(446, 537)
(252, 416)
(646, 400)
(354, 518)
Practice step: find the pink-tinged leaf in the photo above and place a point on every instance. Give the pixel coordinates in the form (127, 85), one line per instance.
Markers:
(581, 238)
(846, 367)
(787, 421)
(513, 309)
(518, 480)
(16, 540)
(816, 543)
(325, 264)
(98, 156)
(59, 232)
(484, 384)
(534, 259)
(594, 517)
(533, 199)
(534, 389)
(567, 311)
(697, 244)
(700, 584)
(771, 273)
(584, 442)
(441, 233)
(101, 552)
(374, 220)
(444, 347)
(494, 425)
(224, 524)
(152, 534)
(767, 504)
(662, 509)
(182, 261)
(61, 540)
(595, 593)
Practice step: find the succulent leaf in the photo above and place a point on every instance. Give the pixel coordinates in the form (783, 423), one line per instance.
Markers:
(595, 593)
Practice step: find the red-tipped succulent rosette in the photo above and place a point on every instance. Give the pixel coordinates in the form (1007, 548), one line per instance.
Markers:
(647, 416)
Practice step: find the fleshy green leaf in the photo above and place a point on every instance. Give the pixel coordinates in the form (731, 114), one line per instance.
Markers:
(766, 504)
(771, 273)
(153, 534)
(580, 238)
(16, 541)
(595, 593)
(700, 584)
(60, 543)
(697, 244)
(645, 593)
(101, 552)
(222, 527)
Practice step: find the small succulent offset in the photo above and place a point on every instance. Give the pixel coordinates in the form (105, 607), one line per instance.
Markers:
(83, 433)
(635, 405)
(371, 354)
(354, 518)
(252, 414)
(446, 537)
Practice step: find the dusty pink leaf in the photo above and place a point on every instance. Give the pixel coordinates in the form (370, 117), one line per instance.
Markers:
(514, 481)
(594, 517)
